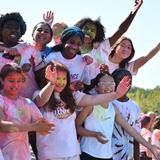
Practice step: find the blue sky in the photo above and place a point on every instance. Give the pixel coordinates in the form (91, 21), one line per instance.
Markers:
(144, 31)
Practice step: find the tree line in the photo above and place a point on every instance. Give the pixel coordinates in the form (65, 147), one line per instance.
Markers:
(147, 99)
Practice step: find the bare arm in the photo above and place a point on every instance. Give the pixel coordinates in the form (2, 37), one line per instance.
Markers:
(11, 51)
(79, 121)
(126, 23)
(142, 60)
(7, 126)
(120, 120)
(149, 154)
(136, 150)
(42, 126)
(44, 95)
(90, 100)
(83, 131)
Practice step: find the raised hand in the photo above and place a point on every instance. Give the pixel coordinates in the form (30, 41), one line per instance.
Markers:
(48, 17)
(12, 51)
(103, 68)
(137, 5)
(26, 67)
(88, 59)
(123, 86)
(51, 74)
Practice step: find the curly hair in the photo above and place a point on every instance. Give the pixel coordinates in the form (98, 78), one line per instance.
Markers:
(100, 33)
(13, 16)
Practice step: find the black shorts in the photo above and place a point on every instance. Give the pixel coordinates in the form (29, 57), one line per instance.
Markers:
(85, 156)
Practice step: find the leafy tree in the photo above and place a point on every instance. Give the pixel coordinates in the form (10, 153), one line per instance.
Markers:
(147, 99)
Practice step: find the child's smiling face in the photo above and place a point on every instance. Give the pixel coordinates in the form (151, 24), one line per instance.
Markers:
(106, 85)
(11, 33)
(61, 81)
(12, 84)
(72, 46)
(124, 49)
(42, 34)
(89, 30)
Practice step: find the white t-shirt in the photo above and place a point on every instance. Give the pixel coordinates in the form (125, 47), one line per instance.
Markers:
(75, 65)
(100, 55)
(122, 142)
(62, 142)
(114, 66)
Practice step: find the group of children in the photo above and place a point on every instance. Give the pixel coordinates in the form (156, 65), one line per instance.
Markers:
(83, 70)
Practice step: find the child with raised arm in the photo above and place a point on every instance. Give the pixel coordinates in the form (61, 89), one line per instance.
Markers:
(28, 56)
(95, 42)
(122, 54)
(41, 35)
(57, 104)
(95, 32)
(57, 28)
(99, 122)
(18, 115)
